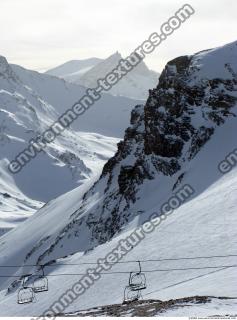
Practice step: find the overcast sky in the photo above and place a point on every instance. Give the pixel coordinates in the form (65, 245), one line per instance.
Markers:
(40, 34)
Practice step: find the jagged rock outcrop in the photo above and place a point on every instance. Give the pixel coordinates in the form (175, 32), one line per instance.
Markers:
(163, 135)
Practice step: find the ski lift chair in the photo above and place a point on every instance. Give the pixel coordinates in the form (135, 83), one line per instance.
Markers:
(137, 280)
(26, 293)
(40, 284)
(131, 295)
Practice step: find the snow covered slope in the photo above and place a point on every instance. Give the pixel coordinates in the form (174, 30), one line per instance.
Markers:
(74, 69)
(102, 118)
(173, 140)
(202, 227)
(29, 103)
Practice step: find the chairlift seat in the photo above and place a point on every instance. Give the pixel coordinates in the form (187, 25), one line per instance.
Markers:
(137, 281)
(131, 295)
(25, 295)
(40, 284)
(138, 286)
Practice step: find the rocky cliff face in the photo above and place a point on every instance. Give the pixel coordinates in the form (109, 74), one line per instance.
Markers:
(6, 71)
(180, 116)
(178, 119)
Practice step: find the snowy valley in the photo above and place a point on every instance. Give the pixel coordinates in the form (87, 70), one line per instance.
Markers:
(29, 103)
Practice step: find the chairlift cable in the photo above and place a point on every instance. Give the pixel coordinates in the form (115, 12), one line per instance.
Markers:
(120, 262)
(127, 272)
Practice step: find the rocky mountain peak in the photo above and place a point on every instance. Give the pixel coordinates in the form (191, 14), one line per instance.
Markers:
(3, 64)
(6, 71)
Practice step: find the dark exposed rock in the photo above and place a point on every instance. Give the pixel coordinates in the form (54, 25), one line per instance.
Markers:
(150, 307)
(6, 195)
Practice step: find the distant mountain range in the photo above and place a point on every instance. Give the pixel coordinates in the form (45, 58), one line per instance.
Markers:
(86, 73)
(72, 70)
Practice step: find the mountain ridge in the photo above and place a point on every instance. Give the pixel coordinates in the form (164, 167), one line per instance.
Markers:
(73, 68)
(134, 85)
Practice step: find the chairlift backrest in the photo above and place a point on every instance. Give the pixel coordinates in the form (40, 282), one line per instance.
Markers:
(26, 293)
(40, 284)
(137, 280)
(136, 283)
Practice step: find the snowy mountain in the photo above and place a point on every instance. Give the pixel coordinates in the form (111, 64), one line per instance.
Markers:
(102, 118)
(135, 85)
(179, 137)
(29, 103)
(72, 70)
